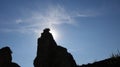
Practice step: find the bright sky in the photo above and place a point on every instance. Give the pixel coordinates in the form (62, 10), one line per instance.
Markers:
(89, 29)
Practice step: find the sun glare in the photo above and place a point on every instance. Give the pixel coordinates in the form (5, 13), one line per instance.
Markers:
(55, 34)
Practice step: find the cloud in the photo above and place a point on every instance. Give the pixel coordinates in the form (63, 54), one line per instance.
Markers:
(52, 16)
(55, 15)
(18, 21)
(49, 18)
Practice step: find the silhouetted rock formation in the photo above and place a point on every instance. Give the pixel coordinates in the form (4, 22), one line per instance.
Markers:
(110, 62)
(51, 55)
(6, 58)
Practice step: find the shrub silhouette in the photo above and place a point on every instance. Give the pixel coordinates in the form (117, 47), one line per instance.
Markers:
(115, 55)
(110, 62)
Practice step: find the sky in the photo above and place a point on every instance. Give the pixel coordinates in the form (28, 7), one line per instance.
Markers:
(89, 29)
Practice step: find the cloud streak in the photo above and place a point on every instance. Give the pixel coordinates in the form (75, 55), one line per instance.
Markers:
(51, 17)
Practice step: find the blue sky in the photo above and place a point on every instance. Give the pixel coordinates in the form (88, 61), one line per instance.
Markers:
(89, 29)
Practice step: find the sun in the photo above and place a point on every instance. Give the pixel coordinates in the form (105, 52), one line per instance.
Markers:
(55, 34)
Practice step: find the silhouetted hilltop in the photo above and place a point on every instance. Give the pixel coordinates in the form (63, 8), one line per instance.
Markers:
(6, 58)
(110, 62)
(49, 54)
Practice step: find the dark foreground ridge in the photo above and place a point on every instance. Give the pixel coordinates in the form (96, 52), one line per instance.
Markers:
(110, 62)
(49, 54)
(6, 58)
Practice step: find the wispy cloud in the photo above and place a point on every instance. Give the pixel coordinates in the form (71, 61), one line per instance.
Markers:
(52, 16)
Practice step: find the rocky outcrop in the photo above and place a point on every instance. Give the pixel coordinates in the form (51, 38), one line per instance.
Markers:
(6, 58)
(49, 54)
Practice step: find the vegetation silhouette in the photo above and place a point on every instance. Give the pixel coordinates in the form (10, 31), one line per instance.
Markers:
(49, 54)
(6, 58)
(110, 62)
